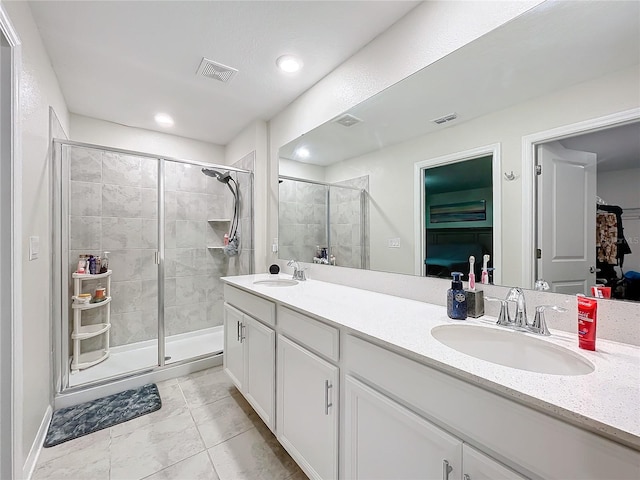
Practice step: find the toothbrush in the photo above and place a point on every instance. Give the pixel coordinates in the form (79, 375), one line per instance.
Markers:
(484, 278)
(472, 275)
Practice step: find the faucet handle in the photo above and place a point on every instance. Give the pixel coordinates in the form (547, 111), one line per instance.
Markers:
(503, 318)
(541, 285)
(539, 324)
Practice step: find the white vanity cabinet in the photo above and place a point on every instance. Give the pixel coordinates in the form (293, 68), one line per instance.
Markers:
(384, 440)
(478, 466)
(307, 393)
(249, 352)
(349, 405)
(534, 444)
(233, 346)
(413, 447)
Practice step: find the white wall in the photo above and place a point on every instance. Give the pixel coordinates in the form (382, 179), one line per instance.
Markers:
(392, 212)
(38, 90)
(622, 188)
(100, 132)
(307, 171)
(426, 34)
(255, 138)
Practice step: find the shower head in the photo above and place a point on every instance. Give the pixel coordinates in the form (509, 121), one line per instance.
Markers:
(223, 177)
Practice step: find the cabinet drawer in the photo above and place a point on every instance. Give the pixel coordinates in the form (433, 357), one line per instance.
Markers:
(257, 307)
(312, 333)
(495, 424)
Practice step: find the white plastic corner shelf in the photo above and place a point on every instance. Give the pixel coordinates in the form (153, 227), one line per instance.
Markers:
(82, 332)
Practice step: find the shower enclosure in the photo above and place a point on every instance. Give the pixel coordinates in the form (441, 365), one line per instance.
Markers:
(315, 216)
(170, 229)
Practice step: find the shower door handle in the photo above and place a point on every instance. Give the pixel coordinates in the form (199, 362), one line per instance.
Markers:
(157, 258)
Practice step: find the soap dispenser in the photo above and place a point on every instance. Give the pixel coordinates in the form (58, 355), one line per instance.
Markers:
(456, 299)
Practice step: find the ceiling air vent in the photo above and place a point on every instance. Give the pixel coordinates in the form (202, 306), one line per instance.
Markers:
(347, 120)
(446, 118)
(217, 71)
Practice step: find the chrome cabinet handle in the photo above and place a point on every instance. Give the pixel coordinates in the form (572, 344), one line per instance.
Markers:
(446, 470)
(238, 330)
(243, 329)
(327, 404)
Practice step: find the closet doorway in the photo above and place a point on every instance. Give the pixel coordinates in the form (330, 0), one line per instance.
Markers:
(586, 184)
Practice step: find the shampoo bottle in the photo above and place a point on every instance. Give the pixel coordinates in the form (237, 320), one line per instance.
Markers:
(456, 299)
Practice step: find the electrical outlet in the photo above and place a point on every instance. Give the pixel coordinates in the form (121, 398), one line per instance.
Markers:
(393, 243)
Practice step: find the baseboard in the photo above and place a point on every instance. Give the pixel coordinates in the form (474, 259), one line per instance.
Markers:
(36, 447)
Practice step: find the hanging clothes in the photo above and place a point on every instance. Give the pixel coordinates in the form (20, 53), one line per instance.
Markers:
(611, 228)
(607, 238)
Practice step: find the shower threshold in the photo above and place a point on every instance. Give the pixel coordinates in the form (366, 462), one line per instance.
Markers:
(136, 356)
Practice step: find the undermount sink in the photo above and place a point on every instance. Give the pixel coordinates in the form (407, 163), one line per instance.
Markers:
(276, 282)
(512, 349)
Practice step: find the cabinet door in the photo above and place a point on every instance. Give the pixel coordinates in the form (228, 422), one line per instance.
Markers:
(385, 440)
(307, 405)
(259, 380)
(233, 347)
(478, 466)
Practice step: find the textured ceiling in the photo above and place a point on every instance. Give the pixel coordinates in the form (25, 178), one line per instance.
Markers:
(124, 61)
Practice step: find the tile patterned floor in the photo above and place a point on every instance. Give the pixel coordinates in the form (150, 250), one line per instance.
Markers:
(205, 430)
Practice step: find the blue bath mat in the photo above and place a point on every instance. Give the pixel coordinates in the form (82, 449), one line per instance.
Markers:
(73, 422)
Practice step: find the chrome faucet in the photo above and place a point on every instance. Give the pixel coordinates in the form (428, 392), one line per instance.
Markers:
(520, 321)
(516, 295)
(298, 273)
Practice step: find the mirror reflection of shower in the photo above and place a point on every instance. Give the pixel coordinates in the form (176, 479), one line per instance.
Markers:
(232, 241)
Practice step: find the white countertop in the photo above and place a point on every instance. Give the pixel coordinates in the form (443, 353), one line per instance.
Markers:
(606, 401)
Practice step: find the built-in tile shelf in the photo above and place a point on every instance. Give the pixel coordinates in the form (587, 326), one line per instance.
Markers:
(217, 220)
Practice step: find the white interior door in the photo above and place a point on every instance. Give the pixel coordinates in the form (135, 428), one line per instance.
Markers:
(566, 222)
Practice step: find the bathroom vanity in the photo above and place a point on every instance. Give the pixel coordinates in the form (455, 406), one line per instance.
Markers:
(355, 386)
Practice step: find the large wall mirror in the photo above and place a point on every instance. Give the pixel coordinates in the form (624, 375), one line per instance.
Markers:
(442, 165)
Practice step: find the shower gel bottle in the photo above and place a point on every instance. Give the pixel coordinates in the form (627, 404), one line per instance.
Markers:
(456, 299)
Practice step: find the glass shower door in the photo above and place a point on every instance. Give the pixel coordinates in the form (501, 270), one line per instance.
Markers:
(194, 228)
(109, 204)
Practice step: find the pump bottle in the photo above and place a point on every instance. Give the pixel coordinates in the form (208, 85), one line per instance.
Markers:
(456, 299)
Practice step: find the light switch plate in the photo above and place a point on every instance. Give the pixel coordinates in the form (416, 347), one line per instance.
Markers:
(34, 248)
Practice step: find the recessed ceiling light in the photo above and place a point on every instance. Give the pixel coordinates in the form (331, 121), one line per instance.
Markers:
(163, 120)
(302, 152)
(289, 63)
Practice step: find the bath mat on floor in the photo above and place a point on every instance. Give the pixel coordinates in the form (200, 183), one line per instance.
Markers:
(73, 422)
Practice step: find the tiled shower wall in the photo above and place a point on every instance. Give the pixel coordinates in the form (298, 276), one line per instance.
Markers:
(113, 206)
(302, 219)
(348, 222)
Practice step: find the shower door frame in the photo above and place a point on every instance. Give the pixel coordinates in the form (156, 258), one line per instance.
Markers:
(60, 262)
